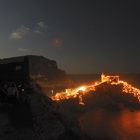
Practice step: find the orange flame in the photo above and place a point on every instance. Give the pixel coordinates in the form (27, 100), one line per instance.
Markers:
(81, 91)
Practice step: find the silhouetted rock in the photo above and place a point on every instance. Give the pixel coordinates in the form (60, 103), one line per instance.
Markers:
(29, 66)
(109, 96)
(106, 96)
(39, 65)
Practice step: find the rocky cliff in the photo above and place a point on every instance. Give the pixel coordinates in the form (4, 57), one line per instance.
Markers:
(39, 65)
(31, 65)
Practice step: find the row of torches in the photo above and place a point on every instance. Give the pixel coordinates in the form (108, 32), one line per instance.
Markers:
(81, 91)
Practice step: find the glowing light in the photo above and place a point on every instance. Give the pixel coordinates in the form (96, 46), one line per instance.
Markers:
(96, 83)
(81, 88)
(81, 91)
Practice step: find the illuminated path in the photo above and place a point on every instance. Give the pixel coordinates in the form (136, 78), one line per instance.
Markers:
(81, 91)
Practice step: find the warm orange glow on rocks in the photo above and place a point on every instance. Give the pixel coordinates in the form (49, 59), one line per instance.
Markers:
(81, 91)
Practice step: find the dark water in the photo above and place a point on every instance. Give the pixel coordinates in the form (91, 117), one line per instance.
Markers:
(107, 125)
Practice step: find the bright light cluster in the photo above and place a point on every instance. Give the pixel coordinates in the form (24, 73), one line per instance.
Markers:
(81, 91)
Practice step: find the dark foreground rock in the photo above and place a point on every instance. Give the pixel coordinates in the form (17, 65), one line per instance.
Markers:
(37, 117)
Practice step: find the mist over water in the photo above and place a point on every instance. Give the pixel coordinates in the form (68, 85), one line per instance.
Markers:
(111, 125)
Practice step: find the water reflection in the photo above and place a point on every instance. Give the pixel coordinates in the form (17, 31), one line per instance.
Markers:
(107, 125)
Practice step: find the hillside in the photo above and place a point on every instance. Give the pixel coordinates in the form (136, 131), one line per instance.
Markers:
(106, 96)
(36, 117)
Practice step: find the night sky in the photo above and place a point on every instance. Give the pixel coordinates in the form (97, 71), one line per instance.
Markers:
(83, 36)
